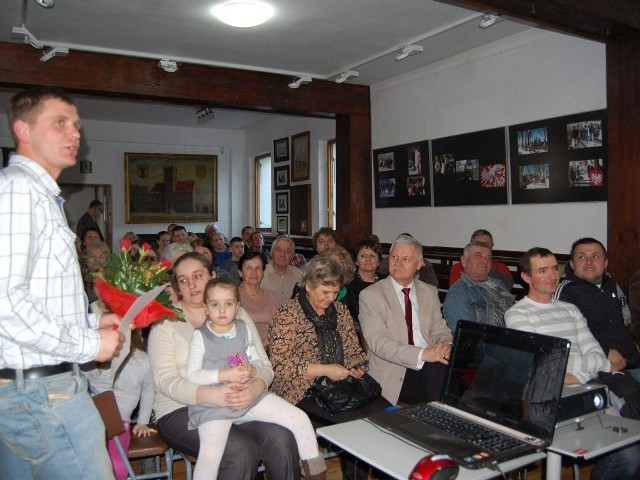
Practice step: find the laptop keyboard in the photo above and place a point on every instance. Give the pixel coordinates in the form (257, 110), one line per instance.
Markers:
(482, 438)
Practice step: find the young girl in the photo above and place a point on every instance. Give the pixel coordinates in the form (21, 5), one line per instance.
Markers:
(223, 350)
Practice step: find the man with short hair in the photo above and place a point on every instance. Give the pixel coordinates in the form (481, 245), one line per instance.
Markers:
(89, 220)
(499, 271)
(247, 230)
(230, 265)
(49, 426)
(279, 275)
(409, 341)
(180, 235)
(589, 287)
(539, 312)
(476, 296)
(257, 245)
(220, 252)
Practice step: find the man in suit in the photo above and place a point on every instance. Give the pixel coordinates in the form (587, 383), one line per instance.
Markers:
(409, 341)
(89, 220)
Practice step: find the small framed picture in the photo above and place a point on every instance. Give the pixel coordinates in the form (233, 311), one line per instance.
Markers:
(282, 202)
(282, 224)
(281, 150)
(281, 175)
(301, 164)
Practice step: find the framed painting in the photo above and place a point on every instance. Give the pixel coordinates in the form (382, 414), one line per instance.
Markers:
(281, 175)
(281, 150)
(301, 164)
(282, 202)
(282, 224)
(165, 188)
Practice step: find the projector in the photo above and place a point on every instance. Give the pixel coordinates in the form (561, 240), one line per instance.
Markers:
(580, 401)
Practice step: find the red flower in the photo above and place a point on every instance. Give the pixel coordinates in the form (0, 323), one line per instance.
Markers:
(126, 244)
(165, 262)
(146, 246)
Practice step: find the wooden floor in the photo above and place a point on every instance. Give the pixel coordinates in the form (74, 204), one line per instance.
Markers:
(535, 472)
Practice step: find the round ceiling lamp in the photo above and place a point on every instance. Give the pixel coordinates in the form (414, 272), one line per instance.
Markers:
(243, 13)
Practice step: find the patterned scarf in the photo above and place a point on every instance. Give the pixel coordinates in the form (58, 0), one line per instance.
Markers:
(329, 341)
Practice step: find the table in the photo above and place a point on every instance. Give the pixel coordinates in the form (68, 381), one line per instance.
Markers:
(395, 457)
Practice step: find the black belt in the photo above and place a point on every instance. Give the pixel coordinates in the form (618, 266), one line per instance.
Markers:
(36, 372)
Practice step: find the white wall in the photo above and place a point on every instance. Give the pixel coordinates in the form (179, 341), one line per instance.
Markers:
(530, 76)
(259, 140)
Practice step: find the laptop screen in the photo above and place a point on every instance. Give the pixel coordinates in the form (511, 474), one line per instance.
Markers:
(507, 376)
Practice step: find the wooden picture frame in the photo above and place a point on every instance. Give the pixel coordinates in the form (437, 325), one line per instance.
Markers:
(165, 188)
(282, 202)
(281, 150)
(282, 224)
(281, 177)
(300, 217)
(301, 159)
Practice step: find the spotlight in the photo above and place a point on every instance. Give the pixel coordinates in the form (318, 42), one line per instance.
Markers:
(404, 52)
(300, 80)
(168, 65)
(29, 37)
(46, 3)
(345, 75)
(53, 52)
(486, 20)
(204, 114)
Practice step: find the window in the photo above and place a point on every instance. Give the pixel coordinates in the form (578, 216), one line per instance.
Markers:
(263, 190)
(331, 184)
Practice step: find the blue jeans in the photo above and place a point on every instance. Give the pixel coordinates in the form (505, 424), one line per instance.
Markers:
(50, 429)
(620, 465)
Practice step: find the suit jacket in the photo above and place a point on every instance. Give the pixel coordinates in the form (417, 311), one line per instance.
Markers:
(385, 330)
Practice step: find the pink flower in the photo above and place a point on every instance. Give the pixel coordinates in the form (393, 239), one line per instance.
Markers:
(146, 246)
(126, 244)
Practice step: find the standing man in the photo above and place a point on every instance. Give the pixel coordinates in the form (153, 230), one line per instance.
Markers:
(409, 341)
(279, 275)
(590, 288)
(476, 296)
(89, 220)
(49, 426)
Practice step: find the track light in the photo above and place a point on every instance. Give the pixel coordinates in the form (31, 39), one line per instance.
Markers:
(300, 80)
(28, 37)
(204, 114)
(168, 65)
(46, 3)
(405, 51)
(53, 52)
(345, 75)
(486, 20)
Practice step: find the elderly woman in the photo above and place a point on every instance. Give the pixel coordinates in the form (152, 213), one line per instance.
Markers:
(320, 332)
(168, 349)
(259, 302)
(342, 256)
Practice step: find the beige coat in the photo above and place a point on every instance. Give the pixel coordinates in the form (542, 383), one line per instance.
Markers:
(384, 328)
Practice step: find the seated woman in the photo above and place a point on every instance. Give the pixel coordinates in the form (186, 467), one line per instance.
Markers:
(259, 302)
(94, 258)
(168, 350)
(320, 332)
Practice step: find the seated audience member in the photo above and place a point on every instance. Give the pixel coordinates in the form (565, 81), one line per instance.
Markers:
(426, 273)
(202, 247)
(409, 341)
(279, 276)
(320, 332)
(476, 297)
(342, 256)
(499, 271)
(367, 254)
(298, 260)
(170, 228)
(209, 230)
(94, 258)
(91, 235)
(220, 252)
(175, 251)
(151, 256)
(601, 301)
(230, 265)
(539, 312)
(324, 239)
(134, 251)
(245, 234)
(180, 235)
(248, 443)
(257, 245)
(163, 239)
(259, 302)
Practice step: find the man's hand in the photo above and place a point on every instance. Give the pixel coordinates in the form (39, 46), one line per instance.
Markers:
(109, 320)
(618, 362)
(110, 344)
(570, 379)
(437, 352)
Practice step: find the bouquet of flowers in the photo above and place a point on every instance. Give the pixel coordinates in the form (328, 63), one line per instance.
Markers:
(122, 280)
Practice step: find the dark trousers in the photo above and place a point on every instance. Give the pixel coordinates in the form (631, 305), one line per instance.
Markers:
(424, 385)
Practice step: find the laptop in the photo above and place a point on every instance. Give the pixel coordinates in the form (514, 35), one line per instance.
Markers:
(503, 382)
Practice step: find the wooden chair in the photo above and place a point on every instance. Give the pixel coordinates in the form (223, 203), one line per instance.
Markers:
(140, 447)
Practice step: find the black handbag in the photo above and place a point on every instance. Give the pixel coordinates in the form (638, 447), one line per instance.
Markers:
(344, 395)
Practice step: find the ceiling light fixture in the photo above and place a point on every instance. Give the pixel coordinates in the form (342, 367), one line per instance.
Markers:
(405, 51)
(243, 13)
(345, 75)
(169, 66)
(205, 113)
(487, 19)
(53, 52)
(300, 80)
(28, 37)
(46, 3)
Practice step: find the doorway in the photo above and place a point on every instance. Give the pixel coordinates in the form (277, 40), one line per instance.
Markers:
(78, 196)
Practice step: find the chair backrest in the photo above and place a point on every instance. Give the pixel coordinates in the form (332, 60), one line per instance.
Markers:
(108, 409)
